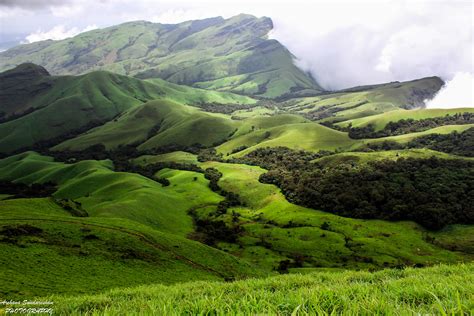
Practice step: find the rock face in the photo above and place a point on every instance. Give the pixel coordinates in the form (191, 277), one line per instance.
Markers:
(222, 54)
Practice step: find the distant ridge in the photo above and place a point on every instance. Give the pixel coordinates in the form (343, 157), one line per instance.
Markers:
(232, 54)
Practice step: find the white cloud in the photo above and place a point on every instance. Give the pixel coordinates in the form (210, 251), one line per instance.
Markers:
(66, 11)
(457, 93)
(57, 33)
(349, 44)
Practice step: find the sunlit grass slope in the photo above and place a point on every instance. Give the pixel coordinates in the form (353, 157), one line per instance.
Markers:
(63, 254)
(176, 156)
(307, 136)
(134, 231)
(402, 139)
(232, 54)
(366, 101)
(157, 123)
(110, 194)
(276, 230)
(70, 104)
(444, 290)
(366, 157)
(381, 120)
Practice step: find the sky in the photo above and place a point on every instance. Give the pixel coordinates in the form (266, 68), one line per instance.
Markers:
(341, 43)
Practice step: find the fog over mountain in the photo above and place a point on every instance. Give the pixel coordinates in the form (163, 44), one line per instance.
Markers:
(341, 44)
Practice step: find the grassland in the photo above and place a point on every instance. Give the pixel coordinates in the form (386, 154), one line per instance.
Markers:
(276, 230)
(60, 253)
(155, 124)
(134, 231)
(365, 102)
(105, 193)
(227, 55)
(405, 138)
(366, 157)
(114, 243)
(381, 120)
(439, 290)
(71, 104)
(309, 136)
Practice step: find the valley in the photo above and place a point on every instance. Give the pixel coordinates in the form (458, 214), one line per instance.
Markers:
(145, 160)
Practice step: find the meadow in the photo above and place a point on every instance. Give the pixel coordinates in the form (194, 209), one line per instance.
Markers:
(439, 290)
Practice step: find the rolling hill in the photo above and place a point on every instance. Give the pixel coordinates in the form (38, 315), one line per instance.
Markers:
(144, 155)
(226, 55)
(70, 105)
(366, 101)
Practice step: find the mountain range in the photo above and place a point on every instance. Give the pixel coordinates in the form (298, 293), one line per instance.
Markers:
(149, 153)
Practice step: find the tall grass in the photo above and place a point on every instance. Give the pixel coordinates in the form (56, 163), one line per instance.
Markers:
(443, 290)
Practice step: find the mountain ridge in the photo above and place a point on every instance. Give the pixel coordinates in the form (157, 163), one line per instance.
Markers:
(232, 55)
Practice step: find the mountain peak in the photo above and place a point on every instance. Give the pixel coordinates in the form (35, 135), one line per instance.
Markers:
(233, 55)
(27, 70)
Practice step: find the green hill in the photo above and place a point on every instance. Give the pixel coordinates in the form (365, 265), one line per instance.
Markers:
(367, 101)
(132, 225)
(91, 254)
(308, 136)
(155, 124)
(228, 55)
(70, 105)
(381, 120)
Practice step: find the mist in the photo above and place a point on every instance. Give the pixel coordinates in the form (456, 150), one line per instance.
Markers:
(457, 92)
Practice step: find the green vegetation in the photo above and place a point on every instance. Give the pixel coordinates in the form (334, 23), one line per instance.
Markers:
(91, 254)
(156, 124)
(380, 121)
(307, 136)
(113, 188)
(444, 290)
(73, 105)
(433, 192)
(365, 102)
(92, 251)
(226, 55)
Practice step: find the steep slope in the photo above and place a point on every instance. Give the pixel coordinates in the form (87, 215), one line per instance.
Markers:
(105, 193)
(19, 88)
(130, 229)
(381, 120)
(40, 108)
(366, 101)
(90, 254)
(308, 136)
(228, 55)
(154, 124)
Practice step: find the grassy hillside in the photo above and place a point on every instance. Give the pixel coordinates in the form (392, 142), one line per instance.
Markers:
(176, 156)
(70, 105)
(363, 102)
(275, 230)
(105, 193)
(132, 225)
(405, 138)
(307, 136)
(229, 55)
(380, 121)
(444, 290)
(154, 124)
(46, 250)
(365, 157)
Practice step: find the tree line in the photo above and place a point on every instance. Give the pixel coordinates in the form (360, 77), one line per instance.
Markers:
(432, 192)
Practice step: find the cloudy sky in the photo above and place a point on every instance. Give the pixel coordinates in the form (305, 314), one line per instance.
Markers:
(342, 43)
